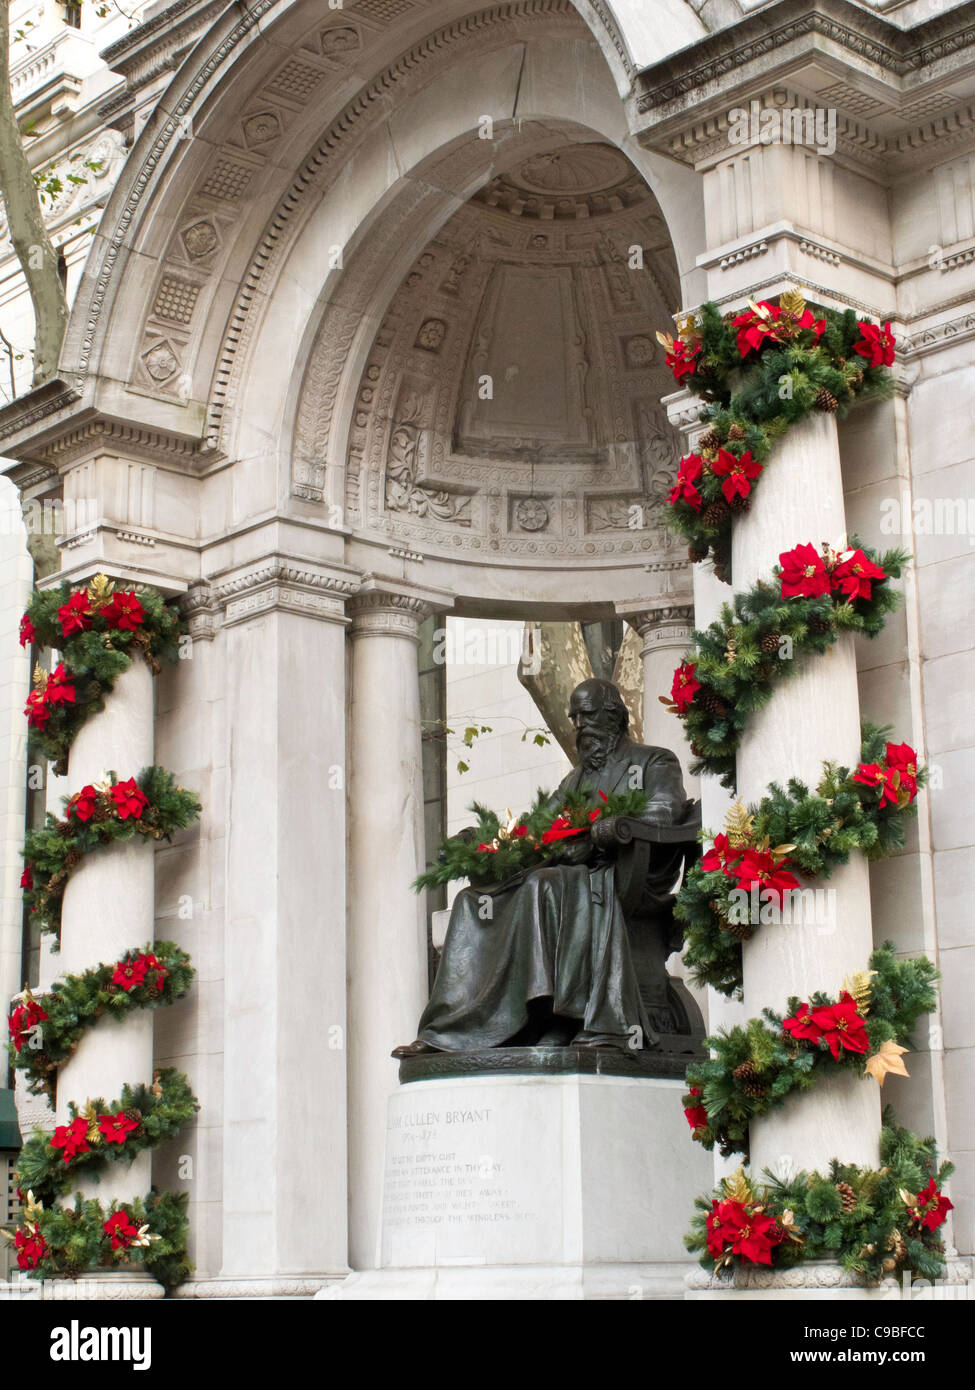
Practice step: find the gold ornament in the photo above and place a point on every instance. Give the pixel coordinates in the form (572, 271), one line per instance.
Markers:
(859, 986)
(738, 824)
(793, 303)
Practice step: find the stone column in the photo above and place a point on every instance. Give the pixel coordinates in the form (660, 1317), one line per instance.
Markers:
(387, 930)
(814, 716)
(108, 907)
(284, 1020)
(665, 631)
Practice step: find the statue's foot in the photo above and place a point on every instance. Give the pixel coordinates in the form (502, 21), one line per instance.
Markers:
(419, 1048)
(558, 1034)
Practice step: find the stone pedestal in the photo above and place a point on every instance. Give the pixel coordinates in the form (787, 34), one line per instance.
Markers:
(554, 1186)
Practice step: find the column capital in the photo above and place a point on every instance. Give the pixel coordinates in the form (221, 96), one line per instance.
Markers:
(661, 622)
(391, 608)
(274, 583)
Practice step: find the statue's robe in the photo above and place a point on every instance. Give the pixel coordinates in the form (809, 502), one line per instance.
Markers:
(555, 933)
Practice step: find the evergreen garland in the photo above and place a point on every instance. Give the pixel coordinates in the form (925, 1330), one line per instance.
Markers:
(492, 851)
(97, 630)
(45, 1029)
(49, 1160)
(756, 1066)
(152, 805)
(874, 1222)
(759, 372)
(793, 829)
(736, 663)
(68, 1241)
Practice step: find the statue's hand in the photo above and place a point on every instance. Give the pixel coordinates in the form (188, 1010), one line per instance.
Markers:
(577, 850)
(604, 832)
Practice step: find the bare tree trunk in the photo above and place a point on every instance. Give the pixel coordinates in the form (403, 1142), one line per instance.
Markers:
(32, 245)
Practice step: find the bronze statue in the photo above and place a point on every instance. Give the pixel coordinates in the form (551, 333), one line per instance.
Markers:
(546, 958)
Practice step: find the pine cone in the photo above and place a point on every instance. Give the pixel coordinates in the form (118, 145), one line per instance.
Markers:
(763, 673)
(745, 1072)
(770, 643)
(708, 441)
(133, 1114)
(839, 363)
(847, 1194)
(856, 380)
(711, 701)
(695, 751)
(819, 626)
(736, 432)
(825, 400)
(740, 504)
(741, 930)
(755, 1090)
(715, 514)
(697, 552)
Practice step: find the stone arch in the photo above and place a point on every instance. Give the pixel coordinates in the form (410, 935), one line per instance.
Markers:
(194, 225)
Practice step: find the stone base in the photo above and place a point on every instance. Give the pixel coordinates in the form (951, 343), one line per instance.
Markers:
(528, 1283)
(561, 1185)
(819, 1280)
(107, 1286)
(269, 1286)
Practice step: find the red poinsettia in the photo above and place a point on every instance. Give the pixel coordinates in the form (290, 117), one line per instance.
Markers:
(901, 758)
(37, 709)
(82, 804)
(71, 1138)
(758, 869)
(802, 1026)
(722, 856)
(932, 1208)
(31, 1247)
(684, 687)
(23, 1021)
(841, 1026)
(28, 632)
(485, 849)
(121, 1229)
(75, 615)
(124, 611)
(115, 1129)
(896, 780)
(755, 328)
(804, 573)
(560, 829)
(27, 878)
(770, 323)
(738, 474)
(146, 969)
(855, 575)
(745, 1229)
(129, 799)
(696, 1115)
(682, 359)
(59, 690)
(684, 490)
(876, 343)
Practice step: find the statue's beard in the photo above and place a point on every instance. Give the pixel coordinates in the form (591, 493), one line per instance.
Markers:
(596, 747)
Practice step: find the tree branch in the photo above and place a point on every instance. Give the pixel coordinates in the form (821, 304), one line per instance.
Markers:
(32, 245)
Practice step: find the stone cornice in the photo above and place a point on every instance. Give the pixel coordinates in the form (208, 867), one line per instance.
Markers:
(66, 441)
(681, 102)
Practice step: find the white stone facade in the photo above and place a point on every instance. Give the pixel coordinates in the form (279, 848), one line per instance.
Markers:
(364, 303)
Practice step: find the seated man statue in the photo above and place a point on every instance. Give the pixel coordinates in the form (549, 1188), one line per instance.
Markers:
(544, 958)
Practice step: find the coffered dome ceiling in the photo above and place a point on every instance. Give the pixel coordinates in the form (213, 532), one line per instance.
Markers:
(511, 400)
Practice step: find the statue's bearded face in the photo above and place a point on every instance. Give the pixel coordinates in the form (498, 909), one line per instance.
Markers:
(597, 729)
